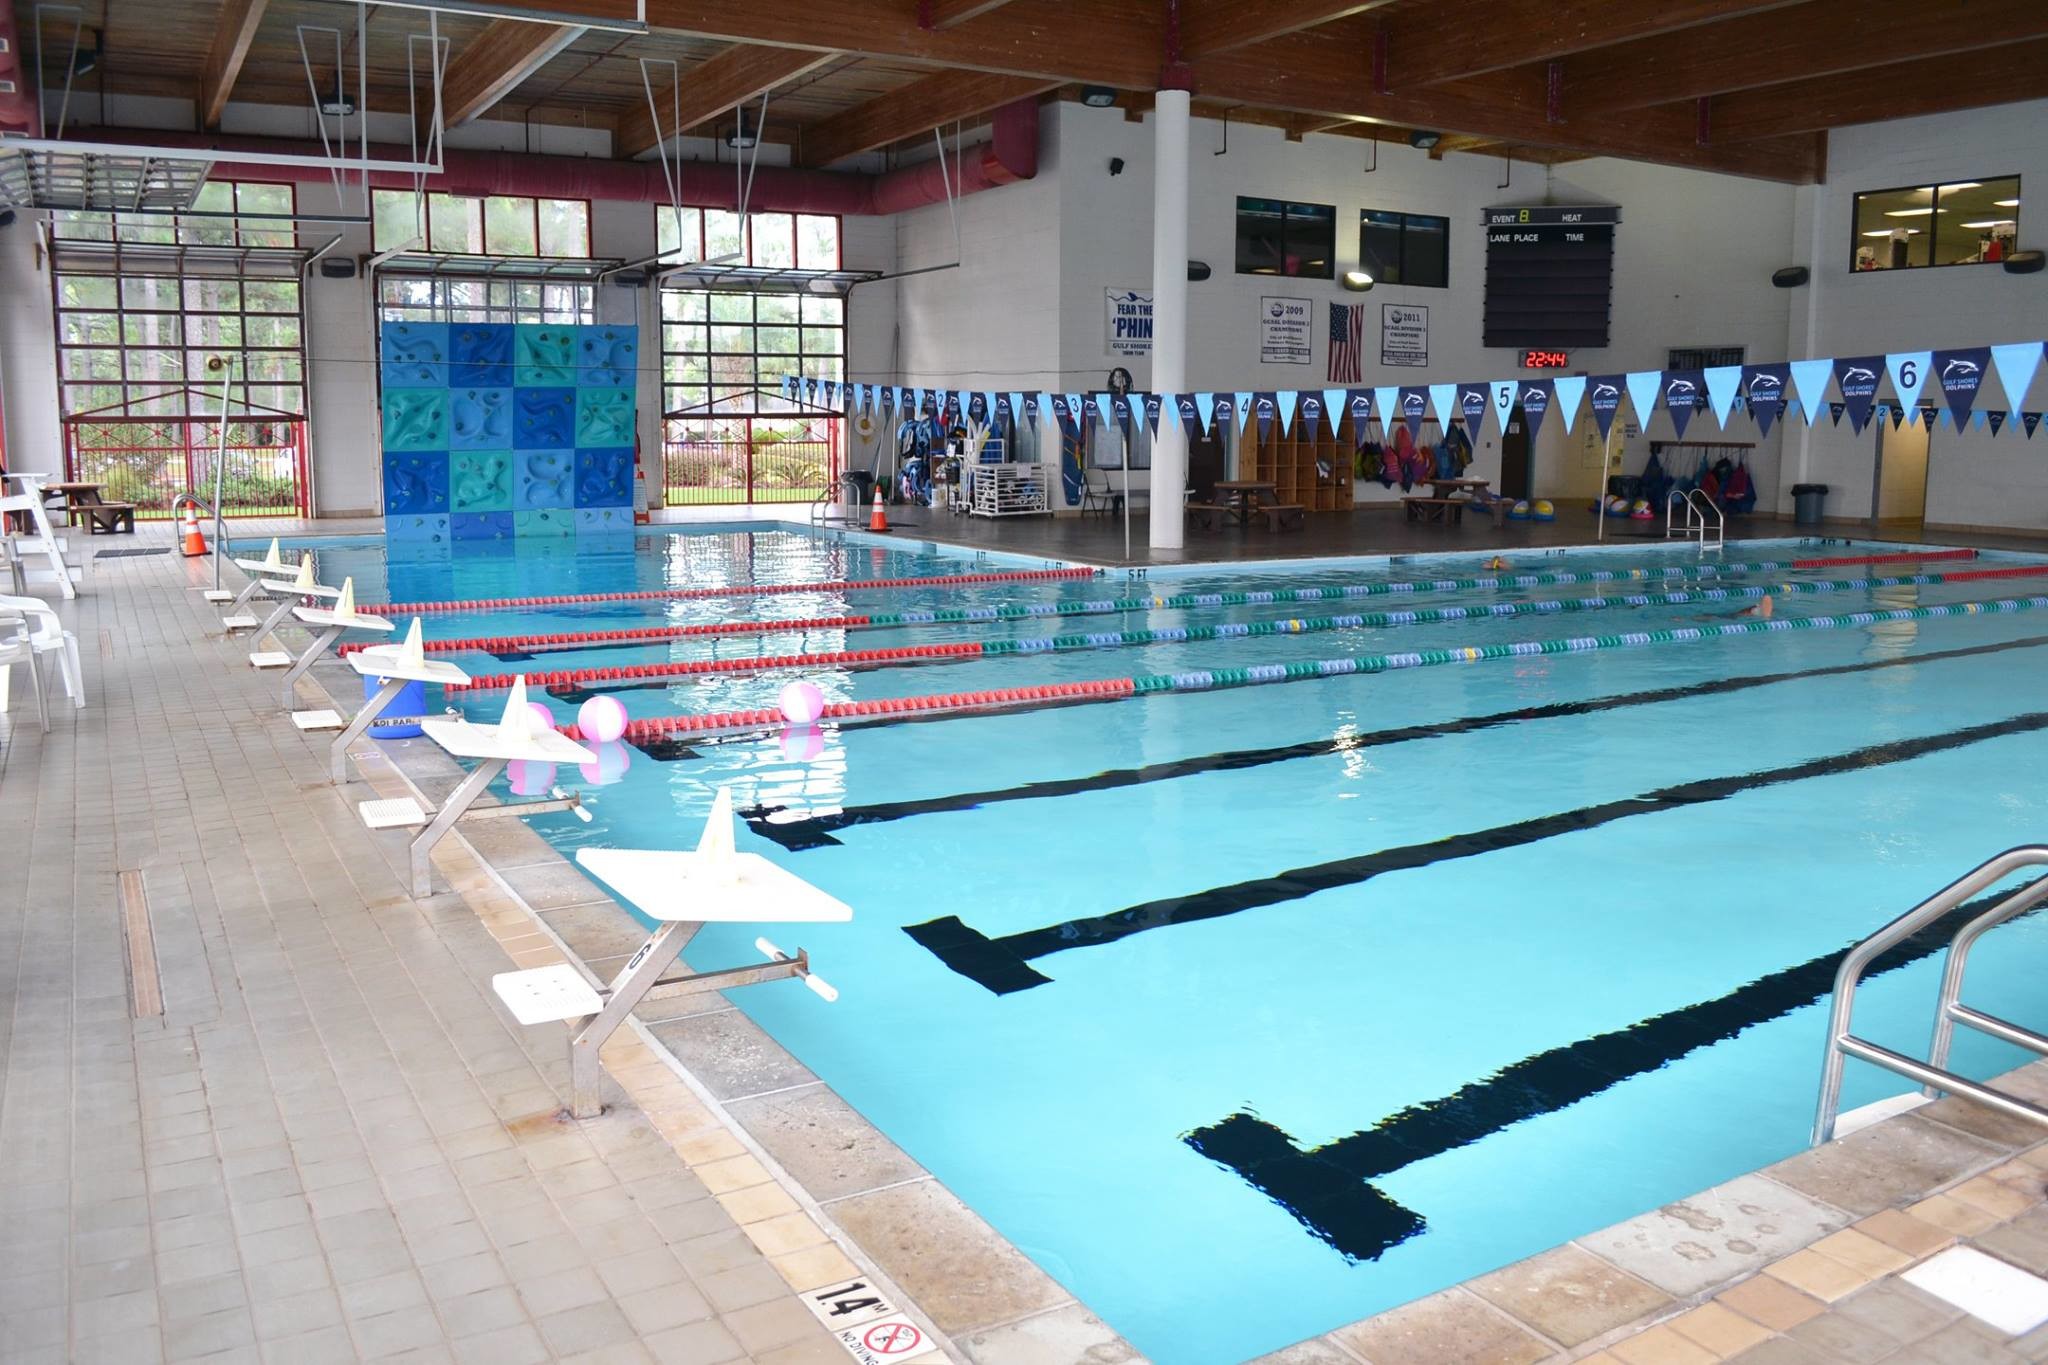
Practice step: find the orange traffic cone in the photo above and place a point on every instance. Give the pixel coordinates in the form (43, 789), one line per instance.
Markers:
(195, 543)
(880, 520)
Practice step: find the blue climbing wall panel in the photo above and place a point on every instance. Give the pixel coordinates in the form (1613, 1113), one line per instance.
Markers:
(495, 430)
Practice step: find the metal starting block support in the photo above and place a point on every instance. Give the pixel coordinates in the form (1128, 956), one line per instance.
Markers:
(393, 670)
(683, 892)
(329, 627)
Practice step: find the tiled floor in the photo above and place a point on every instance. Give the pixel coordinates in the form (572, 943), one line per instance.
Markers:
(331, 1145)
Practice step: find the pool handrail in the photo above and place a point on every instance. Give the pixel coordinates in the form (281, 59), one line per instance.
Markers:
(1933, 1075)
(1697, 522)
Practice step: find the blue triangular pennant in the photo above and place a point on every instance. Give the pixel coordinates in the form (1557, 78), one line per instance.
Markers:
(1359, 404)
(1333, 408)
(1205, 407)
(1242, 406)
(1606, 401)
(1684, 394)
(1959, 374)
(2016, 365)
(2030, 420)
(1502, 393)
(1190, 419)
(1908, 370)
(1535, 401)
(1995, 419)
(1386, 401)
(1810, 382)
(1311, 416)
(1857, 377)
(1722, 381)
(1568, 390)
(1472, 408)
(1443, 401)
(1289, 399)
(1764, 387)
(1266, 408)
(1643, 388)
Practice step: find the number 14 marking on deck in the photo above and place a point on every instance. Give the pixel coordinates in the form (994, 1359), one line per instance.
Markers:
(872, 1329)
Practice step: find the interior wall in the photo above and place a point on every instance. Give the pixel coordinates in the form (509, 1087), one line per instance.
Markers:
(1975, 479)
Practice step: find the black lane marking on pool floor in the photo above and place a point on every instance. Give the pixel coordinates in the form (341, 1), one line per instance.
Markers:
(816, 831)
(1328, 1189)
(1003, 964)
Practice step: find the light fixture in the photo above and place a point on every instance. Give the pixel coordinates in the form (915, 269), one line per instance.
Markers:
(1423, 139)
(1886, 232)
(1907, 213)
(85, 60)
(1963, 185)
(743, 136)
(338, 105)
(2007, 203)
(1357, 281)
(1098, 96)
(1990, 223)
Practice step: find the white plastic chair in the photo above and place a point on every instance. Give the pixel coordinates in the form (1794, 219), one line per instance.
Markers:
(16, 647)
(46, 635)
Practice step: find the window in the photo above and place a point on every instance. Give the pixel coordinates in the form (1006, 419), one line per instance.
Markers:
(1279, 238)
(721, 348)
(1405, 248)
(1961, 222)
(452, 298)
(212, 221)
(495, 225)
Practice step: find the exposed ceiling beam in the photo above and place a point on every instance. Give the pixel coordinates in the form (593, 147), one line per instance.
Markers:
(711, 88)
(495, 63)
(1786, 45)
(232, 35)
(938, 14)
(919, 107)
(1119, 45)
(1212, 26)
(2000, 75)
(1463, 38)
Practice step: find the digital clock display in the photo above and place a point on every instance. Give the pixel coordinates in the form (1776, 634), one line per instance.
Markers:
(1545, 360)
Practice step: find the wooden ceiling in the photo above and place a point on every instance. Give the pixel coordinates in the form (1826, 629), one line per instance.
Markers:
(1745, 86)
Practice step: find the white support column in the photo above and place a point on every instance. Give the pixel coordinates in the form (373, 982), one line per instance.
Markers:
(1169, 311)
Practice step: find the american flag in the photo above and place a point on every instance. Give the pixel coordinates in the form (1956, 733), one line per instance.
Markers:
(1347, 340)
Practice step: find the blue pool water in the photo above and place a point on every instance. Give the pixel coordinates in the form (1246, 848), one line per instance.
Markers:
(1349, 989)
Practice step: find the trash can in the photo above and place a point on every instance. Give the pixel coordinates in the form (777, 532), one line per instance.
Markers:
(859, 486)
(1806, 498)
(410, 701)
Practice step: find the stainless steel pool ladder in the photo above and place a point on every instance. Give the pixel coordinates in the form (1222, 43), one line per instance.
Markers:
(1933, 1074)
(825, 510)
(1701, 517)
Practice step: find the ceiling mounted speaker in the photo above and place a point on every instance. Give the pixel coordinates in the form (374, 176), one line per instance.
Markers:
(6, 218)
(2024, 262)
(1198, 270)
(1791, 277)
(337, 268)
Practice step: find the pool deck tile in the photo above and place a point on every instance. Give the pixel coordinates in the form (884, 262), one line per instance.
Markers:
(1872, 1169)
(1569, 1294)
(1067, 1334)
(1687, 1246)
(1454, 1327)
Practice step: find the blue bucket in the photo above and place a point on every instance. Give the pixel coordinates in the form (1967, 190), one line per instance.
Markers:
(410, 701)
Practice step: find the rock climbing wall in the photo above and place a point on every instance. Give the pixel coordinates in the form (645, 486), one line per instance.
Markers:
(496, 430)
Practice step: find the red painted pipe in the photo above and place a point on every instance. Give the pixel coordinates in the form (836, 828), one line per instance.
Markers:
(755, 590)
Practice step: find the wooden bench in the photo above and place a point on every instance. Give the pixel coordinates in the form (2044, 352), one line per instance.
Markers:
(1284, 516)
(1436, 509)
(1211, 516)
(105, 517)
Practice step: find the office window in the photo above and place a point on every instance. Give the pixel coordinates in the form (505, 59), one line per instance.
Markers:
(495, 225)
(1405, 248)
(1275, 237)
(1958, 222)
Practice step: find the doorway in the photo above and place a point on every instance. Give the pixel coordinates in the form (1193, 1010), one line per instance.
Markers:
(1899, 492)
(1514, 456)
(1205, 465)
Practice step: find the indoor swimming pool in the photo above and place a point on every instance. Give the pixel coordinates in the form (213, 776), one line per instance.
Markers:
(1248, 1010)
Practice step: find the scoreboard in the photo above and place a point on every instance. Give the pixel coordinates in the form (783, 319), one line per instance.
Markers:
(1549, 276)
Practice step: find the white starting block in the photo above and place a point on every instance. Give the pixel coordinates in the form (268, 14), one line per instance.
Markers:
(26, 498)
(393, 666)
(683, 891)
(264, 575)
(300, 591)
(270, 658)
(330, 623)
(518, 736)
(322, 719)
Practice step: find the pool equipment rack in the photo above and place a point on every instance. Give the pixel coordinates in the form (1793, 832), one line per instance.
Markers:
(681, 891)
(1702, 516)
(1933, 1074)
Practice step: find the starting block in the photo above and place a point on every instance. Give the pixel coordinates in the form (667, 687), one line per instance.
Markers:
(393, 666)
(270, 658)
(322, 719)
(682, 892)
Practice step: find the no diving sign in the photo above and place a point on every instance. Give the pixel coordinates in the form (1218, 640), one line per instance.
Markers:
(873, 1330)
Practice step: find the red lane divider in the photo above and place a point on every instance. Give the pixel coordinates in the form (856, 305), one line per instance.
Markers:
(503, 644)
(752, 590)
(2019, 571)
(1904, 557)
(654, 727)
(575, 677)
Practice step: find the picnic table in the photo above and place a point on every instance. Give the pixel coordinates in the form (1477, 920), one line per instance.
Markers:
(80, 498)
(1240, 500)
(1444, 505)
